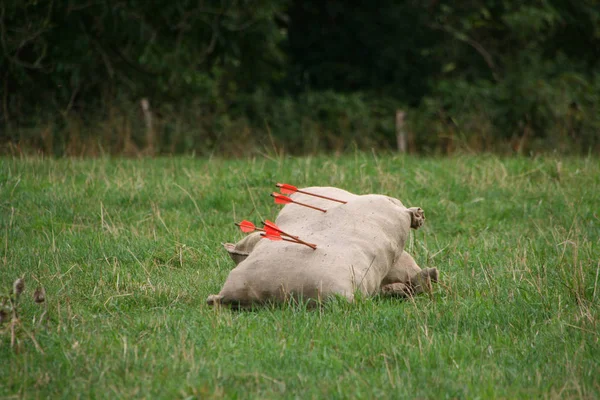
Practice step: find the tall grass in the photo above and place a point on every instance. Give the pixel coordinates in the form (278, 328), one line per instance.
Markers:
(128, 250)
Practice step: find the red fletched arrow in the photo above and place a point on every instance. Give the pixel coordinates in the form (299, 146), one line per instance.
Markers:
(286, 188)
(277, 238)
(273, 237)
(289, 189)
(247, 226)
(281, 199)
(272, 232)
(271, 227)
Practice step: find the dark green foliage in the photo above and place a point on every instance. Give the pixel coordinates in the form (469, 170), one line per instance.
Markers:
(378, 46)
(231, 75)
(523, 72)
(65, 56)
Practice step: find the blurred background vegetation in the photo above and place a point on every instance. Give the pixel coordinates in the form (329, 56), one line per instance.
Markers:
(234, 77)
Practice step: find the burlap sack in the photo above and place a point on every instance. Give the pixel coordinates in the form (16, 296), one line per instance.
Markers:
(404, 279)
(242, 249)
(358, 244)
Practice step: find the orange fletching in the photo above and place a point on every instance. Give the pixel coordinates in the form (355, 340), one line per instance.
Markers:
(247, 226)
(286, 188)
(271, 237)
(271, 231)
(270, 224)
(281, 199)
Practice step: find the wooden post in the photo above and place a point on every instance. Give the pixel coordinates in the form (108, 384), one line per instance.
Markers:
(400, 131)
(150, 137)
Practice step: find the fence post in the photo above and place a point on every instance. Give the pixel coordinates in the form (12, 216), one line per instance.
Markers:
(400, 131)
(150, 135)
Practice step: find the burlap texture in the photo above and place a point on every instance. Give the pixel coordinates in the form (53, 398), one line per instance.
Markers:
(359, 244)
(404, 279)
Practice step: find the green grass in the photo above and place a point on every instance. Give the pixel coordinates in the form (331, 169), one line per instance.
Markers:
(128, 251)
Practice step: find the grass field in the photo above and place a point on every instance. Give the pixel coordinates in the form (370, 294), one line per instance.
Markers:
(128, 251)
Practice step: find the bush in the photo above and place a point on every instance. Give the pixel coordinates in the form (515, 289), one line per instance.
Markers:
(537, 107)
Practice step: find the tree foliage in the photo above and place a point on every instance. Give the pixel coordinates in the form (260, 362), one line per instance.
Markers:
(501, 69)
(71, 53)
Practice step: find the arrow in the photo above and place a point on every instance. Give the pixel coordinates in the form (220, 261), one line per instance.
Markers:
(278, 237)
(272, 232)
(289, 189)
(270, 226)
(268, 232)
(247, 226)
(272, 229)
(281, 199)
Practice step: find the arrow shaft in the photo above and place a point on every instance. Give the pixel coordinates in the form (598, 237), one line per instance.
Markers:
(287, 240)
(293, 239)
(276, 229)
(308, 205)
(320, 196)
(296, 239)
(253, 227)
(282, 199)
(285, 188)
